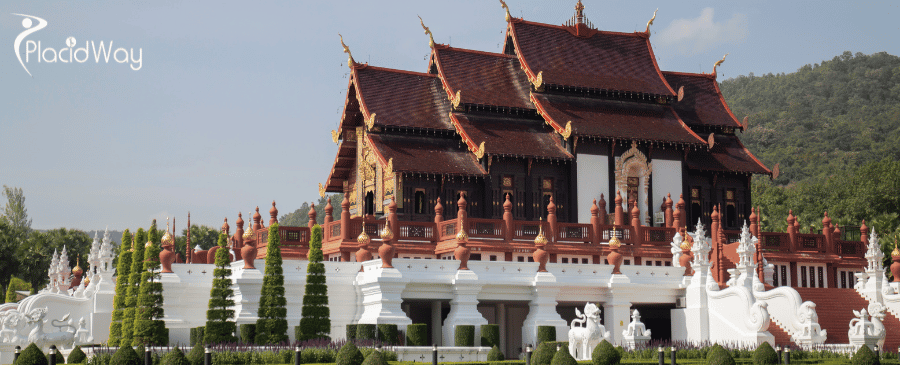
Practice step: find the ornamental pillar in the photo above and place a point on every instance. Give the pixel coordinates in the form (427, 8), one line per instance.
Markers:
(542, 309)
(595, 223)
(616, 316)
(551, 219)
(507, 220)
(670, 215)
(829, 236)
(463, 307)
(620, 215)
(381, 301)
(345, 218)
(604, 220)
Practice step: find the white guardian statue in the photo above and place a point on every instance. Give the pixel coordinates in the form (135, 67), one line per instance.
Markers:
(586, 332)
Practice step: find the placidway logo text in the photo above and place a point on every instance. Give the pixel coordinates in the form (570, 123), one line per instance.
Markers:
(101, 51)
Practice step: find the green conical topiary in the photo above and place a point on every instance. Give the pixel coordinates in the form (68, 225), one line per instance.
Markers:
(134, 279)
(865, 356)
(605, 354)
(495, 354)
(76, 356)
(375, 358)
(148, 325)
(718, 355)
(271, 327)
(125, 355)
(563, 357)
(316, 322)
(765, 355)
(123, 270)
(349, 354)
(219, 326)
(32, 355)
(175, 357)
(543, 354)
(195, 357)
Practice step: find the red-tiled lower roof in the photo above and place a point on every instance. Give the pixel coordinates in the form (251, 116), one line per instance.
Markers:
(727, 154)
(604, 60)
(511, 136)
(703, 103)
(422, 154)
(615, 119)
(402, 98)
(483, 78)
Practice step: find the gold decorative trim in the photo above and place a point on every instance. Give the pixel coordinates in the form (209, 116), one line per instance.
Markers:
(455, 100)
(427, 31)
(479, 153)
(503, 5)
(350, 61)
(568, 131)
(649, 23)
(335, 135)
(538, 81)
(370, 121)
(718, 63)
(321, 190)
(632, 160)
(389, 169)
(711, 140)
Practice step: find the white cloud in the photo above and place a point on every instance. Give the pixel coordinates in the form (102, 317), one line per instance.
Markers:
(698, 35)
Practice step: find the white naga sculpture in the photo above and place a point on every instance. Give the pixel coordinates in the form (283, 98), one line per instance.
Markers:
(636, 334)
(16, 324)
(868, 330)
(586, 332)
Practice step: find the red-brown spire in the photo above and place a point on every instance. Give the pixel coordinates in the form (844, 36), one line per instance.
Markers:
(225, 227)
(438, 211)
(189, 252)
(273, 214)
(329, 210)
(256, 220)
(595, 210)
(312, 215)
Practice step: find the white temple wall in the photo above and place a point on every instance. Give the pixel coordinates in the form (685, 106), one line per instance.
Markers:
(593, 180)
(666, 180)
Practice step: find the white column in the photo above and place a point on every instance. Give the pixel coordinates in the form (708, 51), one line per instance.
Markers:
(616, 316)
(247, 285)
(464, 306)
(381, 289)
(542, 309)
(436, 322)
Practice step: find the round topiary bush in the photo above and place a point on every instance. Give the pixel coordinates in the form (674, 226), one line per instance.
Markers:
(417, 334)
(765, 355)
(495, 354)
(605, 354)
(374, 358)
(125, 356)
(59, 358)
(196, 355)
(175, 357)
(349, 354)
(76, 356)
(490, 335)
(543, 354)
(32, 355)
(865, 356)
(464, 335)
(718, 355)
(387, 333)
(546, 334)
(563, 357)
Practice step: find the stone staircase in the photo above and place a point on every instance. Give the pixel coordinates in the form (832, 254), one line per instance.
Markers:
(835, 309)
(782, 338)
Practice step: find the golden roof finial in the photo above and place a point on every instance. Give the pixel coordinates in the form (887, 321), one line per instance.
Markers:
(719, 62)
(386, 233)
(363, 239)
(461, 236)
(895, 252)
(167, 238)
(688, 241)
(614, 241)
(540, 240)
(248, 234)
(350, 61)
(579, 11)
(503, 4)
(649, 23)
(427, 31)
(78, 269)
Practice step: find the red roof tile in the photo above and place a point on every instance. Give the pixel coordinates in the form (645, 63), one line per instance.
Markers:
(425, 154)
(604, 60)
(727, 154)
(614, 119)
(402, 98)
(510, 136)
(703, 103)
(483, 78)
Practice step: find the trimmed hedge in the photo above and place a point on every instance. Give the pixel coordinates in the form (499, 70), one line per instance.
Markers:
(195, 357)
(417, 334)
(718, 355)
(563, 357)
(375, 358)
(544, 352)
(125, 356)
(387, 333)
(545, 334)
(765, 355)
(365, 331)
(349, 354)
(464, 335)
(271, 325)
(495, 354)
(248, 332)
(351, 332)
(316, 316)
(197, 335)
(175, 357)
(219, 324)
(865, 356)
(76, 356)
(605, 354)
(32, 355)
(490, 335)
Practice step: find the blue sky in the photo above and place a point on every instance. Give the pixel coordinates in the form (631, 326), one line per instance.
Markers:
(234, 101)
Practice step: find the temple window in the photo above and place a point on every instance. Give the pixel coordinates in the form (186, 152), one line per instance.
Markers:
(420, 201)
(730, 210)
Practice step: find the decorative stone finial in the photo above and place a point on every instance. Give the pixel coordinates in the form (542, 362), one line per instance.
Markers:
(503, 5)
(895, 252)
(614, 240)
(427, 31)
(363, 239)
(649, 23)
(595, 210)
(273, 214)
(248, 234)
(688, 241)
(350, 61)
(718, 63)
(167, 238)
(540, 239)
(225, 227)
(386, 233)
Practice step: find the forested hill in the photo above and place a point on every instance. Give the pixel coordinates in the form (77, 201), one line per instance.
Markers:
(825, 118)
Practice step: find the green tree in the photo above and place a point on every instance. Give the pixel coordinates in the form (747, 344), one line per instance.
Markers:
(14, 285)
(149, 328)
(15, 212)
(37, 252)
(300, 217)
(204, 236)
(271, 327)
(134, 279)
(219, 327)
(123, 271)
(315, 322)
